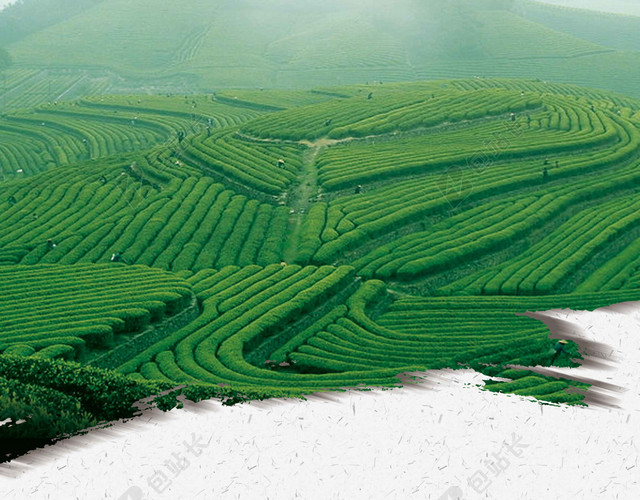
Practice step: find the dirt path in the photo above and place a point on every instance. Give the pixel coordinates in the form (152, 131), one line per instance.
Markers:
(392, 135)
(299, 199)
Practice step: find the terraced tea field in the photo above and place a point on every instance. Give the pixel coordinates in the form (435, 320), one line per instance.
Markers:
(253, 244)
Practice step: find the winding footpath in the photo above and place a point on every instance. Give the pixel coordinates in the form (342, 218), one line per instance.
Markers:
(300, 199)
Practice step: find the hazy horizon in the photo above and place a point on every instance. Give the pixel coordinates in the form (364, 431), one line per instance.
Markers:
(631, 7)
(615, 6)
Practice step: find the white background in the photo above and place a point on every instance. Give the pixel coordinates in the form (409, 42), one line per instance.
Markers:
(417, 442)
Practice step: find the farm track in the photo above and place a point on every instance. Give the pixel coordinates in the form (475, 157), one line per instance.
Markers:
(300, 198)
(324, 142)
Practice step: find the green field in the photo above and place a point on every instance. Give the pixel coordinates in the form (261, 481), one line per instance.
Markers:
(254, 266)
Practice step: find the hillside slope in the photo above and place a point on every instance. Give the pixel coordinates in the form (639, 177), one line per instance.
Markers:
(199, 45)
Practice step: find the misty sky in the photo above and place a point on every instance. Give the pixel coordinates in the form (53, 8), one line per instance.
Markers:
(618, 6)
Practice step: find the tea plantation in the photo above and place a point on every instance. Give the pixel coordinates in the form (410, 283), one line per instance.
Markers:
(251, 244)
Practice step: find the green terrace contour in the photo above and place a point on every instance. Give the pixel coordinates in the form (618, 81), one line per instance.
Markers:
(262, 243)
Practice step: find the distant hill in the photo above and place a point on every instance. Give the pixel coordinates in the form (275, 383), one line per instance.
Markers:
(24, 17)
(200, 45)
(609, 30)
(630, 7)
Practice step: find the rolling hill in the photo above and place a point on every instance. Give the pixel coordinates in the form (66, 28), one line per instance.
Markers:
(161, 46)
